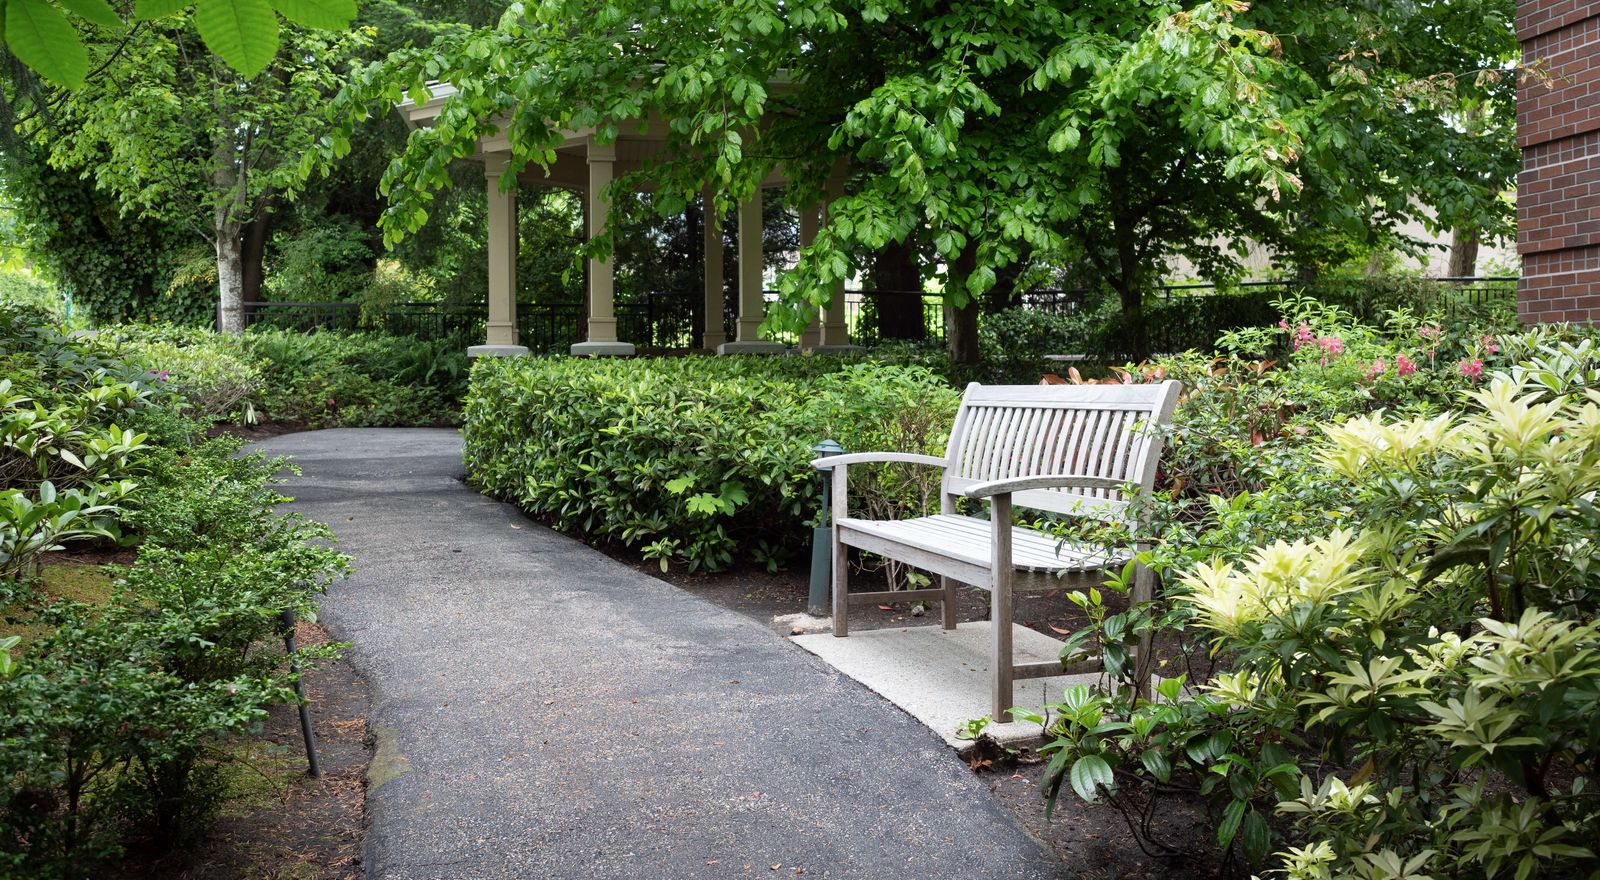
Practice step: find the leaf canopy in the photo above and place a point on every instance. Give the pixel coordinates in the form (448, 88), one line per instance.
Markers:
(1117, 133)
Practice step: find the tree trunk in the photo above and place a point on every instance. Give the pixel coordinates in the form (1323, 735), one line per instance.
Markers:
(254, 255)
(227, 227)
(230, 277)
(1129, 285)
(961, 324)
(898, 280)
(1005, 294)
(1463, 252)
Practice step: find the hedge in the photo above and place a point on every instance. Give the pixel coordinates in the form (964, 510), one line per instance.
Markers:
(696, 460)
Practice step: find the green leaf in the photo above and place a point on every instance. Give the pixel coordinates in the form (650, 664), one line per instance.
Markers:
(1256, 837)
(243, 33)
(97, 11)
(326, 15)
(145, 10)
(42, 38)
(1090, 772)
(1158, 765)
(1232, 815)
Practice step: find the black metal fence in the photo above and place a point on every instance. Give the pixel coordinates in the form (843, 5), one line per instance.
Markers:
(1176, 316)
(659, 321)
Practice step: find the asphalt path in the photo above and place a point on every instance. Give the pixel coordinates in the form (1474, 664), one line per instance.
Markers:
(542, 711)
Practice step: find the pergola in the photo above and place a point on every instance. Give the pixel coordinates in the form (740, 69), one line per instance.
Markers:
(588, 167)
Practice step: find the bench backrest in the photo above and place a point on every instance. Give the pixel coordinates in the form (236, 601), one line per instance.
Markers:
(1005, 431)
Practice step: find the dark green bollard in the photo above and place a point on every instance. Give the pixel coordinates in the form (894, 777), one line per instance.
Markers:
(822, 538)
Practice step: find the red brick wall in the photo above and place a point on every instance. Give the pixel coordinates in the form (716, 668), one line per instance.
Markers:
(1558, 191)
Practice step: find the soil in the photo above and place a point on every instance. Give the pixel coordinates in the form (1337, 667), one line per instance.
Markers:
(252, 433)
(1094, 840)
(279, 823)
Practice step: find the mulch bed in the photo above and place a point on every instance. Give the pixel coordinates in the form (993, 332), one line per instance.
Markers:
(281, 824)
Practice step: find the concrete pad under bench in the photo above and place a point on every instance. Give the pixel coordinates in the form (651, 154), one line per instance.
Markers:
(941, 677)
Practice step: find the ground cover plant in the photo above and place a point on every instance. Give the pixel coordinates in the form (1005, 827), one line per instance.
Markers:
(117, 707)
(1377, 543)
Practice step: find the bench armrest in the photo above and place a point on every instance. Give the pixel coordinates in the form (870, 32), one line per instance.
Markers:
(1045, 481)
(830, 462)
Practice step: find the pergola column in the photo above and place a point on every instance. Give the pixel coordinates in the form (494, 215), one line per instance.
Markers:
(602, 336)
(752, 305)
(500, 336)
(810, 222)
(835, 330)
(712, 332)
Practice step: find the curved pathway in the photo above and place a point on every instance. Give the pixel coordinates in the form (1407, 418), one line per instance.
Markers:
(542, 711)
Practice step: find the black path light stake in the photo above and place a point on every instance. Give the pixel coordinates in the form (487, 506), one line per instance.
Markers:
(822, 537)
(300, 692)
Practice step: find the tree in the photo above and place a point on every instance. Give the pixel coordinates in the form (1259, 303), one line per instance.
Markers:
(113, 267)
(1127, 132)
(178, 136)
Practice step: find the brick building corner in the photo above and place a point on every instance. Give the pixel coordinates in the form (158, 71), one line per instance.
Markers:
(1558, 191)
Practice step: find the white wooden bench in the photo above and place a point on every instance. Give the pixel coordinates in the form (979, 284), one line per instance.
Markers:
(1067, 449)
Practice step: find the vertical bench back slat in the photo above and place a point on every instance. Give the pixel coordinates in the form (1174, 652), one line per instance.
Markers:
(1008, 431)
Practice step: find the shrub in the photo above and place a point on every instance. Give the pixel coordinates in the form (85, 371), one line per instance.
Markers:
(693, 459)
(26, 293)
(358, 379)
(323, 379)
(1013, 343)
(111, 721)
(116, 716)
(209, 373)
(1399, 663)
(65, 462)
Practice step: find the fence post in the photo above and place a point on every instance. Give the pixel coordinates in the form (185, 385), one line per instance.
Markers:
(822, 537)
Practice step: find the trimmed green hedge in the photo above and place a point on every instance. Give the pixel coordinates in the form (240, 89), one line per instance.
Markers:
(698, 460)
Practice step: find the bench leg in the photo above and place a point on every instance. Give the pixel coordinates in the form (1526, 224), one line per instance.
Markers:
(1000, 605)
(841, 588)
(1144, 657)
(1000, 619)
(948, 603)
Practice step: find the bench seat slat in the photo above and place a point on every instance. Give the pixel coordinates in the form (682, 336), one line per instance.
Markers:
(966, 539)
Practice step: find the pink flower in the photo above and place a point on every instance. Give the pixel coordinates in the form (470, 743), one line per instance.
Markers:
(1302, 335)
(1470, 368)
(1283, 324)
(1430, 332)
(1403, 366)
(1490, 346)
(1332, 346)
(1378, 368)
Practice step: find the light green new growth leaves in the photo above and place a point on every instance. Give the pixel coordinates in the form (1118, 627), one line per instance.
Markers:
(41, 37)
(323, 14)
(244, 33)
(97, 11)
